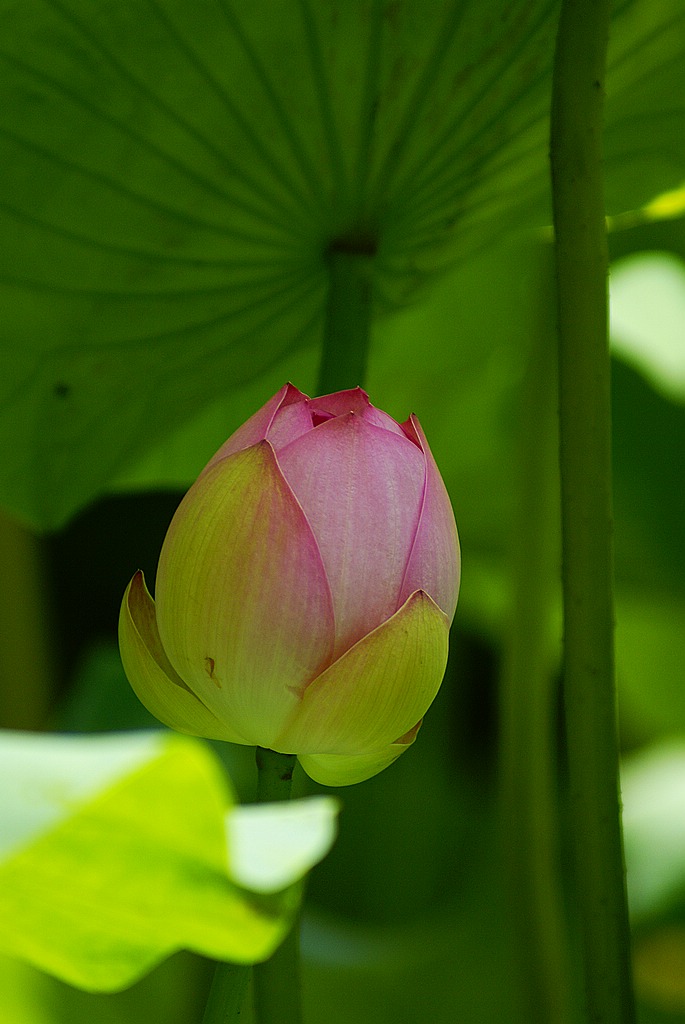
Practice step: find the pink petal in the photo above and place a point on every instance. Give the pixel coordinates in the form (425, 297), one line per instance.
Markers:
(259, 425)
(360, 487)
(243, 604)
(435, 563)
(381, 419)
(289, 423)
(341, 402)
(354, 400)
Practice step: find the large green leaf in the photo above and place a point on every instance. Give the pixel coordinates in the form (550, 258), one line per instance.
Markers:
(171, 175)
(114, 854)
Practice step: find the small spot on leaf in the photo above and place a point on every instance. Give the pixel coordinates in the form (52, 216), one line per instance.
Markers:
(209, 668)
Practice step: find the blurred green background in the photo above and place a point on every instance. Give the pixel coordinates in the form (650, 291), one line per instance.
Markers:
(172, 176)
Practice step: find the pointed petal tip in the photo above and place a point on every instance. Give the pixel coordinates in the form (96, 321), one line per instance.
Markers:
(258, 425)
(411, 428)
(291, 393)
(410, 735)
(339, 402)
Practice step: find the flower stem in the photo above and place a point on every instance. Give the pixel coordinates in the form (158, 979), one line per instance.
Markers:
(227, 994)
(347, 325)
(528, 780)
(585, 464)
(277, 990)
(274, 775)
(277, 981)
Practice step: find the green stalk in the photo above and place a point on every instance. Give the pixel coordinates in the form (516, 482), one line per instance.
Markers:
(227, 994)
(274, 775)
(347, 324)
(528, 778)
(277, 988)
(585, 463)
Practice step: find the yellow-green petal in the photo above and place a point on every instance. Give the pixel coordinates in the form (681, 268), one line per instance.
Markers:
(151, 675)
(348, 769)
(244, 607)
(377, 690)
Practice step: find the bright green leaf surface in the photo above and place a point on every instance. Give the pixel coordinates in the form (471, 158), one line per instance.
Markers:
(45, 778)
(170, 178)
(114, 855)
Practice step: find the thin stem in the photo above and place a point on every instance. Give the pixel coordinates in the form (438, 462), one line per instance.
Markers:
(277, 989)
(528, 751)
(227, 994)
(347, 325)
(274, 775)
(585, 463)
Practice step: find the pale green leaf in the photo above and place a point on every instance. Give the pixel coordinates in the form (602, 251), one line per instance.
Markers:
(46, 778)
(648, 318)
(272, 845)
(653, 792)
(114, 855)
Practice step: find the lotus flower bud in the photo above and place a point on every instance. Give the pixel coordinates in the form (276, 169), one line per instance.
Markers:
(305, 589)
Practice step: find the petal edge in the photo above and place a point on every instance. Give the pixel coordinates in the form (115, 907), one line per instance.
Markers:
(349, 769)
(435, 560)
(152, 677)
(244, 607)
